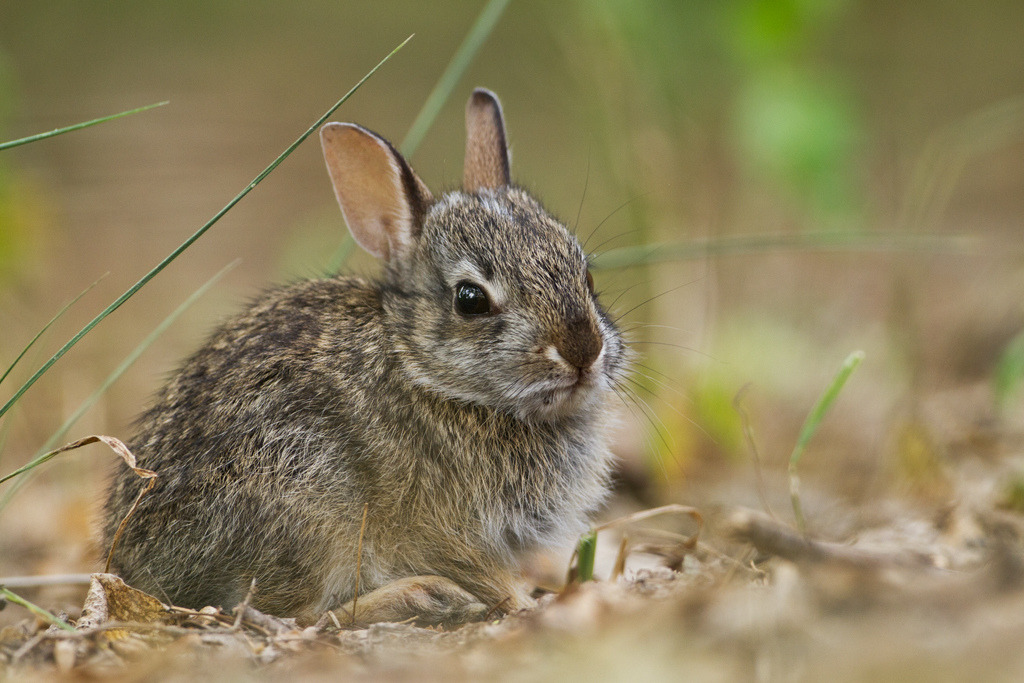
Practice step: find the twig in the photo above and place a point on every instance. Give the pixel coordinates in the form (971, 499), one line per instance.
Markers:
(86, 633)
(46, 580)
(240, 608)
(267, 623)
(217, 616)
(773, 538)
(674, 509)
(129, 459)
(29, 644)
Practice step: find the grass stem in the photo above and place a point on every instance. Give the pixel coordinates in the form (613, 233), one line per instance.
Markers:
(461, 60)
(77, 126)
(35, 609)
(811, 425)
(44, 453)
(644, 254)
(195, 236)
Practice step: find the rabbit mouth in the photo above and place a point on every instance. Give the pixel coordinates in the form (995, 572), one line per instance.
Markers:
(567, 398)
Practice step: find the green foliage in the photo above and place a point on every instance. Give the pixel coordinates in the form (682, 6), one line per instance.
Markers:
(793, 129)
(778, 29)
(717, 416)
(1009, 374)
(586, 551)
(811, 425)
(799, 134)
(8, 98)
(747, 72)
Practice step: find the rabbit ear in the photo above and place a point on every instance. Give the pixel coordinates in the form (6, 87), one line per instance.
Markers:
(381, 198)
(487, 158)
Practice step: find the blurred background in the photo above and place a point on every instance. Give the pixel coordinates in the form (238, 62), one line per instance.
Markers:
(895, 127)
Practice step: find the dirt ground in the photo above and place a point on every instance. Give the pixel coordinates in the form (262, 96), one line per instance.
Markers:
(926, 587)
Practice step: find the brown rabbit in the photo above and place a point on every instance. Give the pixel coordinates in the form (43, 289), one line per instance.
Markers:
(463, 398)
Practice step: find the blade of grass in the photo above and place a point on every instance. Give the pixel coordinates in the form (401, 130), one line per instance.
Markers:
(643, 254)
(461, 60)
(586, 547)
(195, 236)
(586, 550)
(35, 609)
(811, 424)
(1008, 377)
(44, 453)
(54, 319)
(77, 126)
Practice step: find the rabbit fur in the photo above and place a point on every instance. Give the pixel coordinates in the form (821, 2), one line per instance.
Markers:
(470, 439)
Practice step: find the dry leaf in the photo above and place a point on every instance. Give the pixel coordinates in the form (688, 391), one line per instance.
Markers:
(111, 599)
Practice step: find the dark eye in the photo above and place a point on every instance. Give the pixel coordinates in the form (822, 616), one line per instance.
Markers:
(470, 299)
(590, 282)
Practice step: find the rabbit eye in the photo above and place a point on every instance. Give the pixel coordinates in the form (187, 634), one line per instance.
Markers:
(590, 282)
(470, 299)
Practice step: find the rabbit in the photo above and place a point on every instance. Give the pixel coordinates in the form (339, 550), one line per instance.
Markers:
(463, 400)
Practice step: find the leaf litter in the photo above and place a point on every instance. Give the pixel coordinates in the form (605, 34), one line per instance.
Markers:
(920, 592)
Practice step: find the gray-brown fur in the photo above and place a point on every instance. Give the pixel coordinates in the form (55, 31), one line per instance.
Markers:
(470, 439)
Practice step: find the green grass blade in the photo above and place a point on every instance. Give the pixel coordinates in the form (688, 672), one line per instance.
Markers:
(77, 126)
(41, 332)
(811, 424)
(1009, 373)
(644, 254)
(35, 609)
(586, 550)
(44, 453)
(461, 60)
(195, 236)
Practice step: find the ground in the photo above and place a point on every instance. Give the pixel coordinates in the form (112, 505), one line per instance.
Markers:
(909, 588)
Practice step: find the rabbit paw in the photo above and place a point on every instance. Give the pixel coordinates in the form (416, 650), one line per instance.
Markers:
(425, 600)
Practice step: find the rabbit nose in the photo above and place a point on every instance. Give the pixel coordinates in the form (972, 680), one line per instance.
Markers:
(581, 344)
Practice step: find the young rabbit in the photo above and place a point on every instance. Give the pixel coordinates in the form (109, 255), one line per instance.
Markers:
(463, 398)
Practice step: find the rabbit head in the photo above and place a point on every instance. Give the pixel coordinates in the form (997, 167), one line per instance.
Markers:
(488, 297)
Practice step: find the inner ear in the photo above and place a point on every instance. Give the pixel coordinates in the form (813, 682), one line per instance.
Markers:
(383, 201)
(487, 158)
